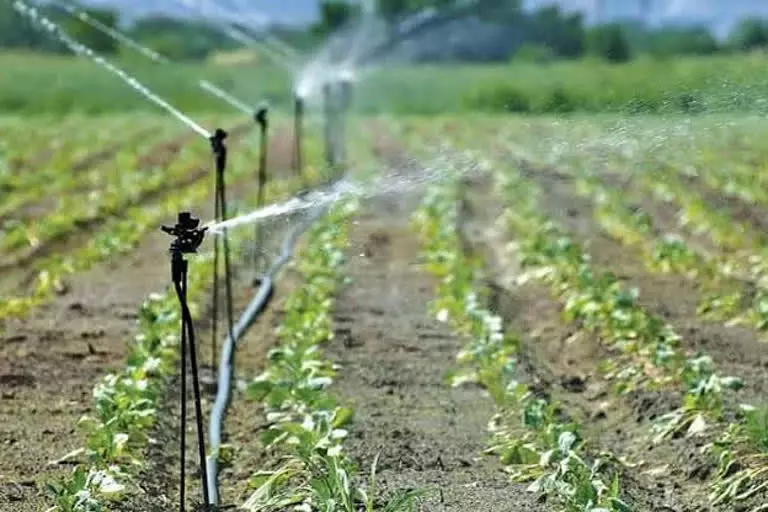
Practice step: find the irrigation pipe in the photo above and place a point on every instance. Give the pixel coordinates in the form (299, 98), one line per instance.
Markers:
(226, 362)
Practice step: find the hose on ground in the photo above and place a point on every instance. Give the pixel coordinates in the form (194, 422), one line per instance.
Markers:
(255, 307)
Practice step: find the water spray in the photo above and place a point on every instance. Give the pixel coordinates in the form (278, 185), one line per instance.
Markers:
(152, 55)
(397, 181)
(113, 33)
(226, 97)
(80, 49)
(187, 239)
(277, 47)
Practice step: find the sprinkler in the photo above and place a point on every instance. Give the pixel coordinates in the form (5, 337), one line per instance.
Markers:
(329, 114)
(187, 237)
(219, 150)
(345, 103)
(262, 119)
(298, 136)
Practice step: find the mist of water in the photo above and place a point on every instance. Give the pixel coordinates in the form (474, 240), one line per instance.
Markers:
(154, 56)
(368, 44)
(80, 49)
(340, 58)
(444, 166)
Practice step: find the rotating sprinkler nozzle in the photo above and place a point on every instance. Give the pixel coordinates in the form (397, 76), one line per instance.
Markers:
(219, 149)
(188, 236)
(261, 117)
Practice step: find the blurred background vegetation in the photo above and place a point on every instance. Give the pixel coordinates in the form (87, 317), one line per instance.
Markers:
(487, 55)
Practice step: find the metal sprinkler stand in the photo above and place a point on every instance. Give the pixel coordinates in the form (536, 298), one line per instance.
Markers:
(219, 149)
(187, 238)
(262, 119)
(345, 103)
(298, 136)
(329, 125)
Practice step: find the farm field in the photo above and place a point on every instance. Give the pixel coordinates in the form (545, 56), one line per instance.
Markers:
(568, 315)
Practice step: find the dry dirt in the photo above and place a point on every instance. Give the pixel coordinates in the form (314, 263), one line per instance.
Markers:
(394, 357)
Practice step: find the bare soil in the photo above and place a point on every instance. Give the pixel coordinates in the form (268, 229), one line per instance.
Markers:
(50, 361)
(394, 356)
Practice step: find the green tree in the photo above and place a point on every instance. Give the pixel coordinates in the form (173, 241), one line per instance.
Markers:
(180, 39)
(679, 41)
(563, 33)
(749, 33)
(17, 31)
(334, 14)
(608, 42)
(91, 37)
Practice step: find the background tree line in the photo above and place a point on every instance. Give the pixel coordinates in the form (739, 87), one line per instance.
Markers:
(483, 30)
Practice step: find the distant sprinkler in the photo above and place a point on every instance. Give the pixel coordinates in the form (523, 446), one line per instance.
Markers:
(259, 255)
(329, 135)
(298, 135)
(345, 92)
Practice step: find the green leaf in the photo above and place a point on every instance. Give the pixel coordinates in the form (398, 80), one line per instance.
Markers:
(259, 389)
(566, 441)
(342, 416)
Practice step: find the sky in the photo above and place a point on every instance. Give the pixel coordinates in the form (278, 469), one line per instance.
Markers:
(717, 14)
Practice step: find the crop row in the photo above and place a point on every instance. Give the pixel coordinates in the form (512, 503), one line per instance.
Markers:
(645, 352)
(126, 403)
(649, 353)
(532, 440)
(306, 425)
(732, 275)
(29, 145)
(118, 235)
(116, 186)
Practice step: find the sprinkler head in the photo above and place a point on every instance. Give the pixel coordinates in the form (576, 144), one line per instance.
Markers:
(261, 116)
(217, 140)
(188, 236)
